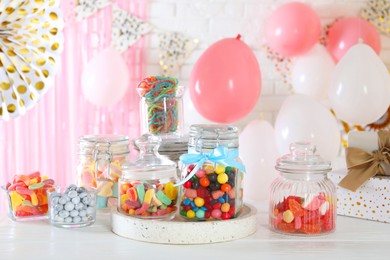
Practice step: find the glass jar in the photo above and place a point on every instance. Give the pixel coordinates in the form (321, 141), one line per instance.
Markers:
(302, 198)
(161, 106)
(146, 188)
(100, 165)
(212, 174)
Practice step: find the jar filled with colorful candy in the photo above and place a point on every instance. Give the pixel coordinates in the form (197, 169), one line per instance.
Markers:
(100, 165)
(161, 106)
(302, 198)
(212, 174)
(147, 187)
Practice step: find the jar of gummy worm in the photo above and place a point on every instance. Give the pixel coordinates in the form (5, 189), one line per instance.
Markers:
(212, 174)
(161, 106)
(302, 198)
(100, 165)
(147, 186)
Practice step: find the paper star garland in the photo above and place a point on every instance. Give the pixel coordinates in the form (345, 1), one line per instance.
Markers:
(127, 29)
(378, 13)
(85, 8)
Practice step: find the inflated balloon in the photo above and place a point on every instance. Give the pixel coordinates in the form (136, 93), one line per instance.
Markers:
(105, 78)
(301, 118)
(359, 91)
(225, 82)
(259, 153)
(292, 29)
(311, 73)
(347, 32)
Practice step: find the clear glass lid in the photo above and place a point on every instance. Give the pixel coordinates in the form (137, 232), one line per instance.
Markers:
(302, 159)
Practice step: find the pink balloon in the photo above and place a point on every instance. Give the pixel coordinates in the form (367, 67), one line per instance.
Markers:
(346, 32)
(225, 82)
(292, 29)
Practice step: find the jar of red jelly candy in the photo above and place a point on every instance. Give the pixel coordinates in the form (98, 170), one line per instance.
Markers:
(302, 198)
(100, 165)
(161, 106)
(147, 187)
(212, 174)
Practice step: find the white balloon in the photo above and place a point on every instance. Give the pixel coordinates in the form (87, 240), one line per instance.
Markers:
(259, 153)
(360, 87)
(191, 115)
(302, 118)
(311, 72)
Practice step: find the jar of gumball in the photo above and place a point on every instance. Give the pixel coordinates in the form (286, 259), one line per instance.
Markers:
(302, 198)
(161, 106)
(101, 158)
(212, 174)
(147, 186)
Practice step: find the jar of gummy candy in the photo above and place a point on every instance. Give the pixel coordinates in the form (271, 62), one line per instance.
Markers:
(100, 165)
(302, 198)
(147, 186)
(212, 174)
(161, 106)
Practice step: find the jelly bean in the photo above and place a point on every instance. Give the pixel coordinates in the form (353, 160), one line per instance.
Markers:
(200, 173)
(222, 178)
(141, 192)
(204, 182)
(214, 186)
(232, 211)
(200, 213)
(225, 207)
(216, 213)
(212, 177)
(187, 184)
(202, 192)
(232, 193)
(192, 204)
(203, 208)
(183, 213)
(225, 216)
(195, 184)
(226, 187)
(208, 168)
(190, 193)
(219, 169)
(221, 199)
(217, 194)
(195, 209)
(199, 202)
(190, 214)
(217, 205)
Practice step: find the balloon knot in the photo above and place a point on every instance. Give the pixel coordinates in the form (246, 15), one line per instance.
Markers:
(238, 36)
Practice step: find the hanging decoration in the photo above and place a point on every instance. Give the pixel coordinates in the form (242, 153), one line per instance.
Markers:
(31, 41)
(127, 29)
(377, 12)
(174, 49)
(86, 8)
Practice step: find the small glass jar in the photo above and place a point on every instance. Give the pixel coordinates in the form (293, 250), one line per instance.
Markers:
(302, 198)
(100, 165)
(212, 174)
(161, 106)
(147, 187)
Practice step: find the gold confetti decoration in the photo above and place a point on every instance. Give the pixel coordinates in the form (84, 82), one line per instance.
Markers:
(127, 29)
(86, 8)
(377, 12)
(174, 49)
(27, 63)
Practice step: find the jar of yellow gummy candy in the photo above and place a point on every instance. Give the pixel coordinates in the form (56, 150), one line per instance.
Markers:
(147, 186)
(101, 158)
(212, 174)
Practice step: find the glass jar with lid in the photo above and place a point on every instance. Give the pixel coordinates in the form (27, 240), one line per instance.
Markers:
(212, 174)
(302, 198)
(100, 165)
(147, 186)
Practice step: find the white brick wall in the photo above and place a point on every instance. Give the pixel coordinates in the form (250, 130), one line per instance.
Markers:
(211, 20)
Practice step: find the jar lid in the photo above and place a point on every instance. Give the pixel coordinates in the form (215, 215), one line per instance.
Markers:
(116, 144)
(212, 136)
(302, 159)
(149, 164)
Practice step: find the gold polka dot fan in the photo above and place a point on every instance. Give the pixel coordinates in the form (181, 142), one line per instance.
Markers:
(31, 41)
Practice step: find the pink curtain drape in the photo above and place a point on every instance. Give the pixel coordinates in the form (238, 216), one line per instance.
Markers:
(45, 138)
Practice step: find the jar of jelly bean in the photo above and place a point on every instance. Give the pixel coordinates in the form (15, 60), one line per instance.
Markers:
(147, 187)
(100, 165)
(161, 106)
(302, 198)
(212, 174)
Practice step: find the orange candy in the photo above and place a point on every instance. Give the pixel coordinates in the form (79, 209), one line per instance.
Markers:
(286, 227)
(295, 207)
(204, 182)
(311, 228)
(226, 187)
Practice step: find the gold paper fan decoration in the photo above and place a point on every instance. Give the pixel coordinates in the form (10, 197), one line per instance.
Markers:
(31, 41)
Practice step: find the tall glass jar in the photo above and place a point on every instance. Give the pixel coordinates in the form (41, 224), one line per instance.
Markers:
(100, 164)
(147, 186)
(302, 198)
(161, 106)
(212, 174)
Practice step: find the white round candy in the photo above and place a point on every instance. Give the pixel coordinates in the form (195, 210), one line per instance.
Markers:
(74, 213)
(69, 206)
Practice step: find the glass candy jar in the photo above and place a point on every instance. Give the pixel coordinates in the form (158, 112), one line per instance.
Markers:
(161, 106)
(212, 174)
(302, 198)
(100, 164)
(147, 186)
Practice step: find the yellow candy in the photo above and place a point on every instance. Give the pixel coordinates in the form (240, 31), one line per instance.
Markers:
(44, 177)
(34, 199)
(123, 198)
(225, 207)
(219, 169)
(288, 216)
(105, 188)
(131, 211)
(222, 178)
(170, 191)
(208, 168)
(33, 181)
(199, 202)
(190, 214)
(16, 199)
(156, 201)
(149, 194)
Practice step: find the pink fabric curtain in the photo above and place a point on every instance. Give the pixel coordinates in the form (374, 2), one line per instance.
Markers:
(45, 139)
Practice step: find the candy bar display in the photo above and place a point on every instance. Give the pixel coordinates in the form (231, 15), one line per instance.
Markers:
(147, 186)
(100, 164)
(72, 207)
(212, 174)
(302, 199)
(161, 106)
(27, 198)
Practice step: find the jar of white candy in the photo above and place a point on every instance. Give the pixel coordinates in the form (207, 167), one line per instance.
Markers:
(72, 207)
(147, 186)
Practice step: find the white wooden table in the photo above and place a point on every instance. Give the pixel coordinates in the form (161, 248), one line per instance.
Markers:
(353, 239)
